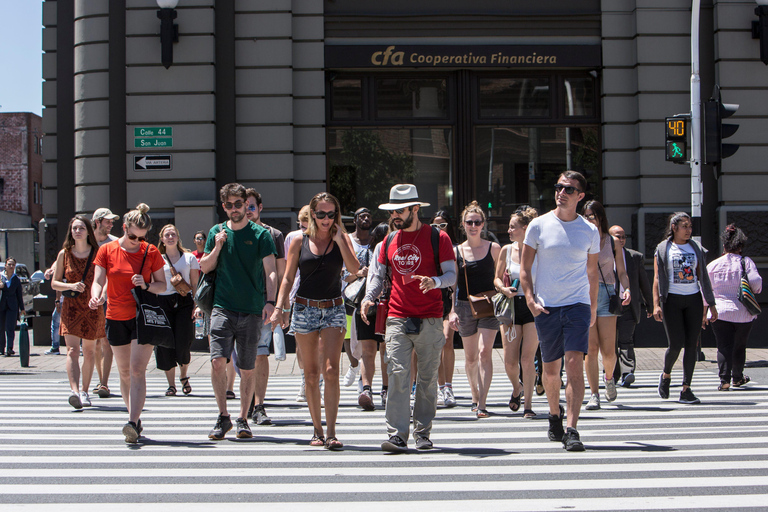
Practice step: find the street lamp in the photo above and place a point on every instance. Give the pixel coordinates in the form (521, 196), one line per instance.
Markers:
(169, 31)
(760, 29)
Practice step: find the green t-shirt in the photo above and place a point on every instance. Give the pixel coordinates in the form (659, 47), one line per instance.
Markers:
(240, 281)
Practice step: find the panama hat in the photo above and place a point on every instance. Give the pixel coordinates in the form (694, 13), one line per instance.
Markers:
(402, 196)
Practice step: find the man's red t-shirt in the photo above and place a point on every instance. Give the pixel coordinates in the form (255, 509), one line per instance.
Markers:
(121, 266)
(410, 253)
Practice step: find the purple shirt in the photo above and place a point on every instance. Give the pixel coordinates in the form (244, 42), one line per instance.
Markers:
(725, 274)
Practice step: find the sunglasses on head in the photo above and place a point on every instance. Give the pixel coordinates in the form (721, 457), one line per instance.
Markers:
(473, 222)
(568, 189)
(320, 214)
(133, 237)
(441, 225)
(236, 205)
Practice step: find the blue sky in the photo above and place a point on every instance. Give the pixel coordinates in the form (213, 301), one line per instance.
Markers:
(21, 43)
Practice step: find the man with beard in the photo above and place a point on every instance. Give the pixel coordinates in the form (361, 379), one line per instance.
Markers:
(415, 317)
(242, 253)
(103, 220)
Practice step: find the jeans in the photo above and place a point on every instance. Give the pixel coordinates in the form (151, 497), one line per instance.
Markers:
(55, 332)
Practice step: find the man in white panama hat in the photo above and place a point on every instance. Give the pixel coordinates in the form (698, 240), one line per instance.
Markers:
(415, 318)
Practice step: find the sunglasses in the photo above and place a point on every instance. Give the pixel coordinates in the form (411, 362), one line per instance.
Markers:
(251, 207)
(400, 211)
(441, 225)
(199, 239)
(591, 216)
(133, 237)
(620, 237)
(320, 214)
(236, 205)
(474, 222)
(568, 189)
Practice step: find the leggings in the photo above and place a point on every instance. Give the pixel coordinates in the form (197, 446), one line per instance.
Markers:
(731, 340)
(682, 323)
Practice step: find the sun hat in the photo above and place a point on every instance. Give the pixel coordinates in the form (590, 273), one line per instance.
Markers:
(402, 196)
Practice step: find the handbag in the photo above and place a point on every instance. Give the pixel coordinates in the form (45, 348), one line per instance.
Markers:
(504, 308)
(206, 289)
(746, 295)
(614, 304)
(74, 293)
(480, 304)
(354, 293)
(152, 324)
(177, 280)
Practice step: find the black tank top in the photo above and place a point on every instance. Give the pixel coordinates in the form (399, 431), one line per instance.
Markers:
(480, 275)
(320, 275)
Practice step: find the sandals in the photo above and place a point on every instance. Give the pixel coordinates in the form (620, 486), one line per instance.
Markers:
(102, 391)
(171, 391)
(333, 444)
(529, 414)
(187, 389)
(317, 440)
(724, 386)
(230, 395)
(483, 413)
(474, 406)
(514, 402)
(738, 383)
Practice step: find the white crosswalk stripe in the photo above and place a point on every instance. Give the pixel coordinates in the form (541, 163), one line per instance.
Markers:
(642, 453)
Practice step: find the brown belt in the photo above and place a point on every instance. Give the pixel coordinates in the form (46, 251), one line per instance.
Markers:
(322, 304)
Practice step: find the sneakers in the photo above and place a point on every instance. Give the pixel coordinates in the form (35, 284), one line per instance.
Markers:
(687, 397)
(664, 386)
(423, 443)
(539, 385)
(450, 400)
(626, 380)
(394, 445)
(594, 402)
(359, 385)
(555, 431)
(260, 415)
(52, 352)
(85, 399)
(223, 425)
(131, 432)
(243, 430)
(440, 397)
(301, 396)
(365, 400)
(74, 400)
(610, 390)
(351, 375)
(571, 441)
(384, 398)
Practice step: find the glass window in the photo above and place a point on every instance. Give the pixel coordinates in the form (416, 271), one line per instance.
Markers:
(520, 165)
(514, 97)
(411, 98)
(347, 98)
(579, 97)
(365, 163)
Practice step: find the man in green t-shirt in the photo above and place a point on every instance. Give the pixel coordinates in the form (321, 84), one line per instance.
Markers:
(243, 255)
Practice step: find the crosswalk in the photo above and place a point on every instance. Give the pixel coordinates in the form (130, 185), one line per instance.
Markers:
(642, 453)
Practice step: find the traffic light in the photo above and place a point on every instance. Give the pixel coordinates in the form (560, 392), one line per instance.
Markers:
(715, 130)
(676, 139)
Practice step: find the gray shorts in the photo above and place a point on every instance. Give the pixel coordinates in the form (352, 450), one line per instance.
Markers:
(468, 325)
(228, 328)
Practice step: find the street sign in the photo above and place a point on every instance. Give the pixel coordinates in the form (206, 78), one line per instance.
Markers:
(152, 162)
(157, 142)
(155, 131)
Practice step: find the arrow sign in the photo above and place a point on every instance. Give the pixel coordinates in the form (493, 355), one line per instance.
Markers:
(152, 162)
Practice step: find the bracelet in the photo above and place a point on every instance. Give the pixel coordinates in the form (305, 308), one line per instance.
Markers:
(286, 310)
(271, 302)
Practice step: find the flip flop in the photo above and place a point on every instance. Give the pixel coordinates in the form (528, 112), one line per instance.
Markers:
(483, 413)
(529, 414)
(187, 389)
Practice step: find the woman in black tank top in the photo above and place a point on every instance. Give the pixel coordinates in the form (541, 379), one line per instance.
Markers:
(477, 259)
(319, 320)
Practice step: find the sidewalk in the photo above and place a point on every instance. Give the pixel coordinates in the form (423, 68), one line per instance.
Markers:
(647, 359)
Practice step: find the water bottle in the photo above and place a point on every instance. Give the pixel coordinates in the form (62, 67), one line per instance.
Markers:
(278, 338)
(199, 328)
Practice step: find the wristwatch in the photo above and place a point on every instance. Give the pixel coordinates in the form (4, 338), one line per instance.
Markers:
(271, 302)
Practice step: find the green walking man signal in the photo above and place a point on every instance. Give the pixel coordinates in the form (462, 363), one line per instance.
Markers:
(676, 139)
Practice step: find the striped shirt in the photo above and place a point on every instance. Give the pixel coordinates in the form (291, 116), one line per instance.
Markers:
(725, 274)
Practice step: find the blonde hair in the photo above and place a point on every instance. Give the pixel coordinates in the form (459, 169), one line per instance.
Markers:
(525, 214)
(324, 197)
(138, 217)
(472, 207)
(304, 214)
(161, 244)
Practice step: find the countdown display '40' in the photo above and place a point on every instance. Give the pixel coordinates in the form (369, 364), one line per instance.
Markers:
(676, 140)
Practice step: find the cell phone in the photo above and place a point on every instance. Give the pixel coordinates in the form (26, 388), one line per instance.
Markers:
(515, 284)
(412, 325)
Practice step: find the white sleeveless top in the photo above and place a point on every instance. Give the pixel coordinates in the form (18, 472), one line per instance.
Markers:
(514, 268)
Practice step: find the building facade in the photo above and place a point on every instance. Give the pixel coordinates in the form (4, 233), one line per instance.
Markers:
(21, 166)
(485, 100)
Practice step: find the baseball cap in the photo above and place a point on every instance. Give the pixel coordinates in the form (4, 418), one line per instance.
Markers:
(104, 213)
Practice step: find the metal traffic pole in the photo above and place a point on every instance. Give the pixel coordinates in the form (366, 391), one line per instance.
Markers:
(696, 185)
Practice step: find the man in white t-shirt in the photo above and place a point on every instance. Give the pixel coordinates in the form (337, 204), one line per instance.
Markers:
(564, 303)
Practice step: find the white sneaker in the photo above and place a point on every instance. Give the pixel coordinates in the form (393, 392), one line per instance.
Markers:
(594, 402)
(351, 375)
(84, 399)
(302, 395)
(440, 397)
(74, 400)
(450, 400)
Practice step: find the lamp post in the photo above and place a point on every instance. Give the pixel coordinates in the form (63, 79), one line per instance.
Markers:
(169, 31)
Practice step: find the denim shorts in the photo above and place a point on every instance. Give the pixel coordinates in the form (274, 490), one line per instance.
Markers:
(563, 330)
(307, 319)
(604, 294)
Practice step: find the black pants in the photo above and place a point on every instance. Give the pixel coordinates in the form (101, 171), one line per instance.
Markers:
(179, 310)
(625, 343)
(682, 323)
(731, 340)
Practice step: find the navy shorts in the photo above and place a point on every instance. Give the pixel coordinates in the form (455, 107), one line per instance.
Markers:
(563, 330)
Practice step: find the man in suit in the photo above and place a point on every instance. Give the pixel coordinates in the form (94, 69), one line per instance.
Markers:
(624, 371)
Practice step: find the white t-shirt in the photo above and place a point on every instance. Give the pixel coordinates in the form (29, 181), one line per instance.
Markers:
(562, 249)
(184, 266)
(681, 268)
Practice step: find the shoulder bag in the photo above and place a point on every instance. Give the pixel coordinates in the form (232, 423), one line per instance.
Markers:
(480, 304)
(746, 295)
(177, 280)
(354, 292)
(74, 293)
(206, 289)
(503, 306)
(152, 324)
(614, 305)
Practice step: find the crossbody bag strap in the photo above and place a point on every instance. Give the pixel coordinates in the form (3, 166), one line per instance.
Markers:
(174, 272)
(87, 265)
(466, 280)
